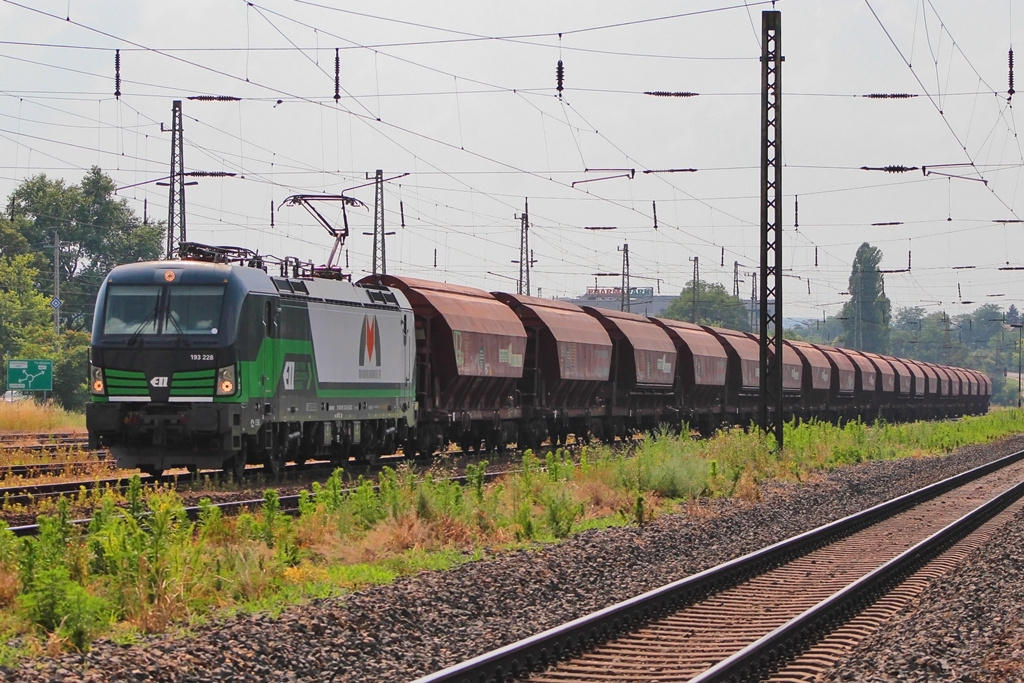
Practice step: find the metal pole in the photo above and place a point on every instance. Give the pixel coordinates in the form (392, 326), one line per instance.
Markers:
(1020, 338)
(379, 262)
(624, 300)
(56, 287)
(771, 344)
(695, 304)
(176, 184)
(524, 249)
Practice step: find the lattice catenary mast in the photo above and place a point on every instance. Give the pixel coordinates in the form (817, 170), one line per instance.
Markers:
(771, 225)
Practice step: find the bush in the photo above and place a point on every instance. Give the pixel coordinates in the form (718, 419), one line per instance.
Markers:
(561, 513)
(59, 605)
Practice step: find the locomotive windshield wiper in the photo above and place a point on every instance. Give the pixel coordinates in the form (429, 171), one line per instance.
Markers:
(151, 319)
(174, 321)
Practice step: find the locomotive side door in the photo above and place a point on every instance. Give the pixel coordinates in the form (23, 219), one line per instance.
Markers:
(270, 370)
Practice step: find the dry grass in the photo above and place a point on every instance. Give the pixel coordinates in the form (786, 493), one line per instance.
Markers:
(601, 498)
(30, 416)
(10, 586)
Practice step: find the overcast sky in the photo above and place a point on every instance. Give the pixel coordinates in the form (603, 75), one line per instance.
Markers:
(461, 97)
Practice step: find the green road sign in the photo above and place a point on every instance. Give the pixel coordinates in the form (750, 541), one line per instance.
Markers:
(30, 375)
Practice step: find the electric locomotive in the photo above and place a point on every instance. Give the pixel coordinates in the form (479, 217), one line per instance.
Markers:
(212, 362)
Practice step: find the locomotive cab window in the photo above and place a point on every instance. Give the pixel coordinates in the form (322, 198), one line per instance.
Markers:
(193, 309)
(153, 310)
(132, 309)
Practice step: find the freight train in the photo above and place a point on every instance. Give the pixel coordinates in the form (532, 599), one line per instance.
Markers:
(223, 359)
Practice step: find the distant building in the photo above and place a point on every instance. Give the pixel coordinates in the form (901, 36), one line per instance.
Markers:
(642, 300)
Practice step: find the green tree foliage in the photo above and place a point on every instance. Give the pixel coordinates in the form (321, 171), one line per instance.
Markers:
(717, 307)
(26, 331)
(867, 314)
(23, 310)
(825, 331)
(97, 232)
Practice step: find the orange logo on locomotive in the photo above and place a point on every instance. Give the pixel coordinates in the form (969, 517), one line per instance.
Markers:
(369, 346)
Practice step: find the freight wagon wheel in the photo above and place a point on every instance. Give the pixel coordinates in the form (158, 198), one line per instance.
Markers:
(497, 442)
(152, 470)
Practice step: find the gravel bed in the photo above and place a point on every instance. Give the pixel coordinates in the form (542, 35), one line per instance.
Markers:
(423, 623)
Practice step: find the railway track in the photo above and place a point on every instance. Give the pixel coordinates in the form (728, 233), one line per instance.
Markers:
(27, 491)
(288, 504)
(784, 613)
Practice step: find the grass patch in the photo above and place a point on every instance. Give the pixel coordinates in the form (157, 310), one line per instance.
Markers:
(30, 416)
(143, 567)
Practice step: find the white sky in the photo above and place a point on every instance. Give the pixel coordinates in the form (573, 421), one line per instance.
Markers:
(465, 97)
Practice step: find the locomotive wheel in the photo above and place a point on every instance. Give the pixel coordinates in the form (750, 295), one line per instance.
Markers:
(340, 453)
(236, 466)
(152, 470)
(275, 455)
(274, 462)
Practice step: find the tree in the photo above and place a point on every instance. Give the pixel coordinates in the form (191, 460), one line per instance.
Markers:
(26, 331)
(717, 307)
(868, 312)
(825, 331)
(23, 310)
(97, 231)
(1012, 315)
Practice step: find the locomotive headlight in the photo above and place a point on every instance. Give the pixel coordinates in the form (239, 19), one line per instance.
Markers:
(96, 383)
(226, 381)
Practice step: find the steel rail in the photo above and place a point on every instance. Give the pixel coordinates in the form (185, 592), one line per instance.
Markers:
(540, 650)
(789, 640)
(289, 505)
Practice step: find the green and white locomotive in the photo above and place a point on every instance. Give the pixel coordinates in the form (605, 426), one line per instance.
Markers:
(211, 362)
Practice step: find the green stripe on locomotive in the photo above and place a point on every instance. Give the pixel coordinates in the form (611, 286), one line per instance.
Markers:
(270, 362)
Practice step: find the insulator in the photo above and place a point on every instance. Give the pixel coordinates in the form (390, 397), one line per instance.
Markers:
(723, 258)
(654, 206)
(666, 93)
(209, 174)
(117, 73)
(559, 77)
(796, 211)
(337, 75)
(815, 257)
(271, 213)
(401, 212)
(1010, 91)
(889, 95)
(215, 98)
(889, 169)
